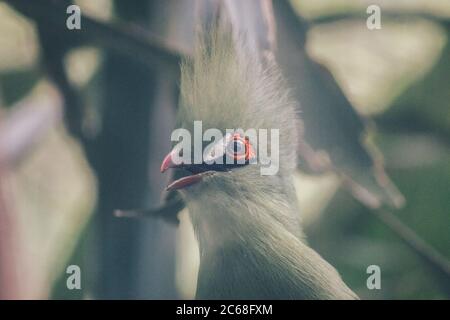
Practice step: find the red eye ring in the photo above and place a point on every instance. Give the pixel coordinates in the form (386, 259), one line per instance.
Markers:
(248, 153)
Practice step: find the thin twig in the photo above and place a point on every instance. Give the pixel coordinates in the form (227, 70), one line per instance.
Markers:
(167, 211)
(428, 253)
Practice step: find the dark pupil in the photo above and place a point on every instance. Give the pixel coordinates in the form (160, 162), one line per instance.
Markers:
(238, 147)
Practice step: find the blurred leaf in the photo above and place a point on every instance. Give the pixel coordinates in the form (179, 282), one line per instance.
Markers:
(425, 106)
(19, 48)
(54, 193)
(316, 8)
(331, 125)
(16, 84)
(374, 67)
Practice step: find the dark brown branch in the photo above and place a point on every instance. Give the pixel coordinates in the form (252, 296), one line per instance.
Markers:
(167, 211)
(130, 40)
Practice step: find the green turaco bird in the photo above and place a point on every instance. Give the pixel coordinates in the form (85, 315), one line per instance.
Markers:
(247, 224)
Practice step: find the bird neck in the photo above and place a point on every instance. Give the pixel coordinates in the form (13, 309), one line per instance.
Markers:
(221, 219)
(247, 251)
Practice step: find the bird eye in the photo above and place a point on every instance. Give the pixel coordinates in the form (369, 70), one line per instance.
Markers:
(238, 148)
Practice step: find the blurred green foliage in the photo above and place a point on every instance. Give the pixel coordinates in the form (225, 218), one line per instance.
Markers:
(403, 93)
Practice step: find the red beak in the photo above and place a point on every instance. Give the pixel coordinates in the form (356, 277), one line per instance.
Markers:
(183, 182)
(167, 163)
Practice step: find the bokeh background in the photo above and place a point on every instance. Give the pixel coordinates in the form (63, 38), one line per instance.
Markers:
(86, 116)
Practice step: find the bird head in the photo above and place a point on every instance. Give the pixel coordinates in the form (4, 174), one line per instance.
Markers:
(225, 89)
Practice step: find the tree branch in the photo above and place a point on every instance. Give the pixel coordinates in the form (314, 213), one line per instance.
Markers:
(429, 254)
(130, 40)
